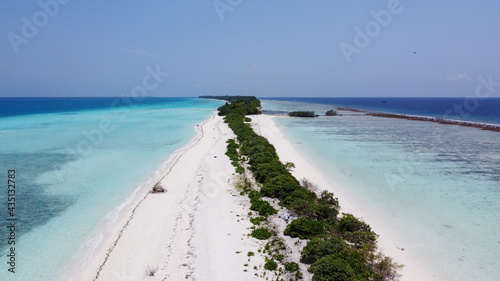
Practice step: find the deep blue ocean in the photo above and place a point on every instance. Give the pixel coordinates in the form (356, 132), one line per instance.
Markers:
(27, 106)
(465, 109)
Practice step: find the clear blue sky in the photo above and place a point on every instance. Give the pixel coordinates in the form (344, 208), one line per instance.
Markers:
(253, 47)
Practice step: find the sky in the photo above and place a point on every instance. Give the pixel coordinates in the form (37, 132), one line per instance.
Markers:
(266, 48)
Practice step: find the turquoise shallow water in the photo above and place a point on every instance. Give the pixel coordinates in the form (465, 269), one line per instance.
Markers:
(75, 167)
(435, 187)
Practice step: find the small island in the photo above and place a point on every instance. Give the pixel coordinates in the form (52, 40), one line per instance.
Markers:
(302, 114)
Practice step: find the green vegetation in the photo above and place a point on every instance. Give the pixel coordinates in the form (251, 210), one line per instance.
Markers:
(243, 105)
(240, 170)
(263, 207)
(232, 99)
(339, 248)
(349, 223)
(356, 232)
(332, 268)
(232, 150)
(257, 204)
(302, 114)
(289, 166)
(250, 254)
(305, 228)
(317, 248)
(271, 265)
(280, 186)
(279, 257)
(232, 153)
(292, 266)
(256, 221)
(261, 233)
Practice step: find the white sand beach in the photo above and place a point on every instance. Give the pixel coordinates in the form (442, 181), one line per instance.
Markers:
(189, 232)
(198, 229)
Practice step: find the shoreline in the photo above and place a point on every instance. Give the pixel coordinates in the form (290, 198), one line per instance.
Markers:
(305, 168)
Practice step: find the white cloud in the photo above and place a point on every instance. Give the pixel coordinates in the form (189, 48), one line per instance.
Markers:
(458, 76)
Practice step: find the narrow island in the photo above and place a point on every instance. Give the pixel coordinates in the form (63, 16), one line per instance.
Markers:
(227, 208)
(338, 247)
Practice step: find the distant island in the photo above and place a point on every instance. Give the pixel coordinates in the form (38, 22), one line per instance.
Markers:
(311, 113)
(302, 114)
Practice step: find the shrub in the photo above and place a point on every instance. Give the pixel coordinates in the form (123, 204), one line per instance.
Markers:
(255, 221)
(292, 266)
(318, 248)
(333, 268)
(232, 150)
(280, 186)
(261, 233)
(357, 232)
(386, 268)
(361, 239)
(349, 223)
(263, 207)
(279, 257)
(327, 198)
(263, 172)
(240, 170)
(261, 156)
(248, 119)
(250, 254)
(289, 166)
(305, 208)
(271, 265)
(299, 193)
(254, 195)
(326, 212)
(304, 228)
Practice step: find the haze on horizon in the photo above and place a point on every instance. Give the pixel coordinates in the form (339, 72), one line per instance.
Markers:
(390, 48)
